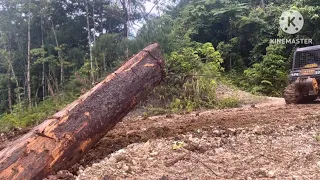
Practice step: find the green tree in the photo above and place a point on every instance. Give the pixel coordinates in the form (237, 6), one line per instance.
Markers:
(269, 76)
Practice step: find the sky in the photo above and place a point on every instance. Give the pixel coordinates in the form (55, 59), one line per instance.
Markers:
(148, 7)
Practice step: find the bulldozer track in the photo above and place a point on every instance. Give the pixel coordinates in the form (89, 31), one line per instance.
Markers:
(290, 95)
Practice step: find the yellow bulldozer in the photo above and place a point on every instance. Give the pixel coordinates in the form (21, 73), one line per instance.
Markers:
(304, 77)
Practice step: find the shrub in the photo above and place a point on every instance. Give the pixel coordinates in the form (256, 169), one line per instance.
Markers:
(21, 118)
(186, 90)
(229, 102)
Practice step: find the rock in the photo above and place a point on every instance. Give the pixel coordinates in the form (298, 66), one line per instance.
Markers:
(257, 130)
(143, 164)
(294, 177)
(125, 168)
(262, 172)
(219, 150)
(232, 131)
(65, 174)
(271, 174)
(291, 128)
(81, 168)
(106, 177)
(154, 154)
(164, 178)
(217, 133)
(169, 116)
(134, 162)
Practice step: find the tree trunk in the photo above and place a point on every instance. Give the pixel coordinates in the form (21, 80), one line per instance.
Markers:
(29, 60)
(59, 56)
(64, 138)
(95, 76)
(43, 82)
(94, 25)
(101, 20)
(14, 77)
(104, 63)
(9, 91)
(9, 76)
(126, 8)
(43, 63)
(126, 16)
(50, 89)
(89, 43)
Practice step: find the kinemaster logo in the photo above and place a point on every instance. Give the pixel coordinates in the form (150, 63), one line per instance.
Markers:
(291, 22)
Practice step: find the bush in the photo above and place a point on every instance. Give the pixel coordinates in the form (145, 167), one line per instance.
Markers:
(21, 118)
(270, 76)
(229, 102)
(185, 90)
(176, 105)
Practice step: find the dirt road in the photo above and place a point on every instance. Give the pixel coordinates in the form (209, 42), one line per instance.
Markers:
(266, 141)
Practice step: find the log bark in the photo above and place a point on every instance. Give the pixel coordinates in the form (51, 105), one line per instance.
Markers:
(61, 140)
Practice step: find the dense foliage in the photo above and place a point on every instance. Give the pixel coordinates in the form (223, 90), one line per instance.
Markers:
(50, 48)
(241, 31)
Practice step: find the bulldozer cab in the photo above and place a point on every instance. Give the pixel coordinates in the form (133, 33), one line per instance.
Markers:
(308, 57)
(304, 76)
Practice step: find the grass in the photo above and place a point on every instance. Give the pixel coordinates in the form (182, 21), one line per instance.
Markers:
(229, 102)
(22, 118)
(175, 107)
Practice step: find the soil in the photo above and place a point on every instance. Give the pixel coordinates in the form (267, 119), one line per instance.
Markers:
(263, 141)
(268, 140)
(9, 136)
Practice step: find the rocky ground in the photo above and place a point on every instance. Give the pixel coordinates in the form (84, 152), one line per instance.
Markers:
(270, 140)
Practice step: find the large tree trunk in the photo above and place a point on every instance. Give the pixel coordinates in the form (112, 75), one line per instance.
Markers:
(29, 60)
(89, 43)
(63, 139)
(43, 63)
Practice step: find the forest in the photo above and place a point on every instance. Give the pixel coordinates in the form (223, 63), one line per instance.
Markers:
(52, 51)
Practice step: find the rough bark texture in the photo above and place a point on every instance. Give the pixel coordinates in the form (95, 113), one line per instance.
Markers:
(61, 140)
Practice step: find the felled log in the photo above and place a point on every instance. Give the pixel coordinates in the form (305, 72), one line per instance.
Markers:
(61, 140)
